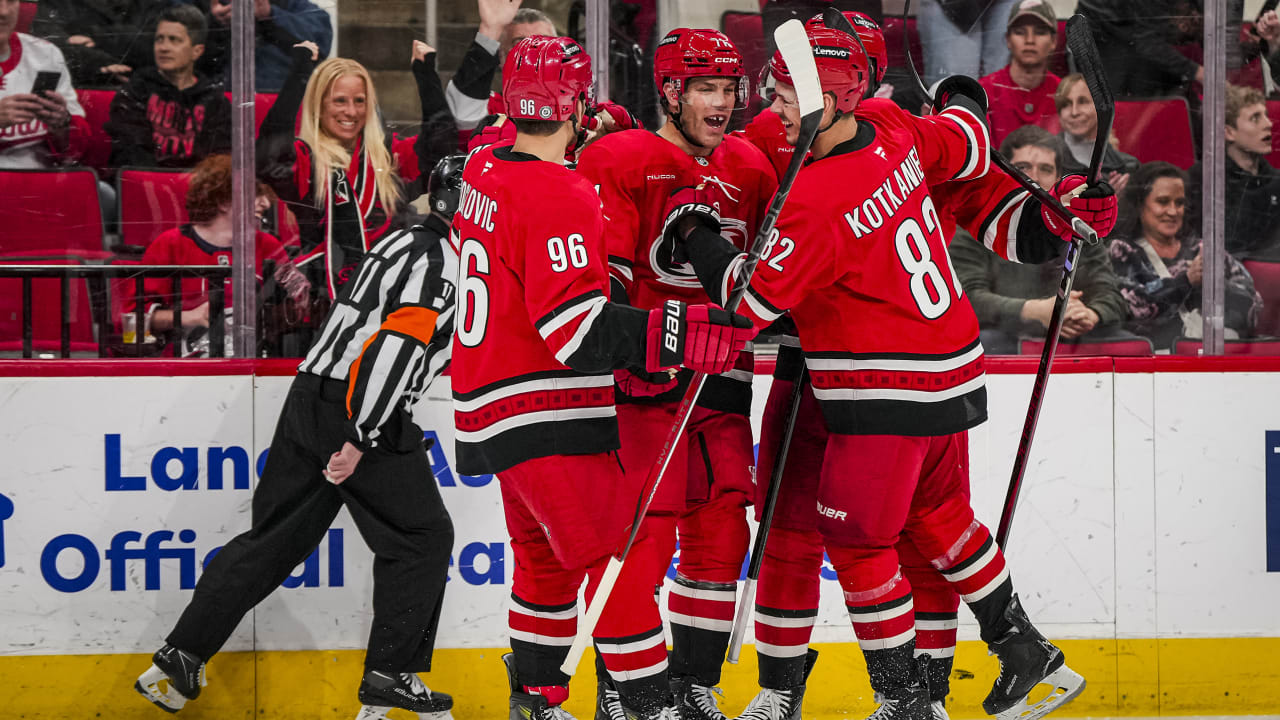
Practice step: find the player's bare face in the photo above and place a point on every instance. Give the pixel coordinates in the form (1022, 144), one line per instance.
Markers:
(786, 106)
(345, 110)
(1030, 43)
(706, 106)
(1252, 131)
(1164, 209)
(1038, 163)
(1079, 117)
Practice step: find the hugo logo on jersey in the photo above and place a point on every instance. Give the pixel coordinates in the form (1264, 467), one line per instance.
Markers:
(883, 204)
(477, 207)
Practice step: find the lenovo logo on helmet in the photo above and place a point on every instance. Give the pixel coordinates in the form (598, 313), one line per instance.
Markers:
(668, 40)
(832, 52)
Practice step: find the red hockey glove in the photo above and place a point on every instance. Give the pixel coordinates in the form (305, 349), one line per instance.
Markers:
(703, 338)
(701, 203)
(1096, 206)
(641, 384)
(492, 135)
(621, 118)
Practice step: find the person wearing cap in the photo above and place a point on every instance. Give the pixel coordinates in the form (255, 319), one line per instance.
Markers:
(1021, 93)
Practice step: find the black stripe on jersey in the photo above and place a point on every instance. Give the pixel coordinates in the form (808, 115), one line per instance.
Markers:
(972, 559)
(543, 608)
(837, 355)
(516, 380)
(1006, 204)
(704, 584)
(565, 307)
(935, 616)
(764, 303)
(780, 613)
(623, 640)
(586, 436)
(621, 262)
(789, 364)
(903, 417)
(878, 607)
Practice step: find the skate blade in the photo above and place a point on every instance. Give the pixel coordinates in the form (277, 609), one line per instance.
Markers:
(1066, 684)
(379, 712)
(148, 686)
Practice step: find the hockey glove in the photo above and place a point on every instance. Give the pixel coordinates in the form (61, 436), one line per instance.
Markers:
(703, 338)
(1096, 206)
(701, 204)
(962, 90)
(641, 384)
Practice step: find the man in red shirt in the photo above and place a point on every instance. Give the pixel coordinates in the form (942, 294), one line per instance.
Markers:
(1022, 92)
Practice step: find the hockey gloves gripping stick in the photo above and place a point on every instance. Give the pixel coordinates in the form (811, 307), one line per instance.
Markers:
(1095, 204)
(686, 206)
(703, 338)
(793, 43)
(1085, 53)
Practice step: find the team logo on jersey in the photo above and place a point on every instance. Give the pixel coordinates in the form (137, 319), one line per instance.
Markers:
(724, 186)
(681, 274)
(341, 192)
(224, 259)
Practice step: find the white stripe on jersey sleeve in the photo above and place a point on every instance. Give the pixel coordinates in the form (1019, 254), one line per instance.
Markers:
(979, 142)
(594, 307)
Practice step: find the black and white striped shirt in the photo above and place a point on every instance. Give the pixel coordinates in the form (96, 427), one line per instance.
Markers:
(389, 332)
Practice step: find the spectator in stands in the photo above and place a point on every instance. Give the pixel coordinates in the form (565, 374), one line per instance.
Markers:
(1022, 92)
(502, 24)
(1138, 39)
(280, 24)
(963, 37)
(103, 40)
(1252, 194)
(1079, 120)
(343, 174)
(206, 240)
(1160, 266)
(36, 130)
(1266, 41)
(167, 116)
(1013, 301)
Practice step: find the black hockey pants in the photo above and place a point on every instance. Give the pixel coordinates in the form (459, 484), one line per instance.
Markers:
(393, 498)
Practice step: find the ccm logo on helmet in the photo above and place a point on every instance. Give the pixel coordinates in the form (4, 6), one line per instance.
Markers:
(727, 61)
(832, 52)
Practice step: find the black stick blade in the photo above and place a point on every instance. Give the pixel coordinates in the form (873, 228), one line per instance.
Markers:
(1085, 54)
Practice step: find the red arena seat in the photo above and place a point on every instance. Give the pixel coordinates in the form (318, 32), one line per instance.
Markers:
(46, 311)
(1133, 347)
(1266, 280)
(151, 202)
(26, 13)
(1273, 112)
(1158, 129)
(1254, 346)
(893, 30)
(746, 30)
(97, 110)
(262, 103)
(51, 212)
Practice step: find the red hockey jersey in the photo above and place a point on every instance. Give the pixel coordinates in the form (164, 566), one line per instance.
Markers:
(532, 281)
(635, 172)
(861, 262)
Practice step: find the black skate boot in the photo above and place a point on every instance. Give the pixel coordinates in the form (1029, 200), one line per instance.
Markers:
(528, 706)
(937, 673)
(1027, 659)
(770, 704)
(608, 702)
(903, 680)
(696, 702)
(180, 671)
(382, 691)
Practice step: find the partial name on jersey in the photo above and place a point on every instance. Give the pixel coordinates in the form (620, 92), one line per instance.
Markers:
(867, 216)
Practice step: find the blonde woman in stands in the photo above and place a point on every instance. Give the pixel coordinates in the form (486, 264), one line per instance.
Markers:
(1079, 120)
(343, 175)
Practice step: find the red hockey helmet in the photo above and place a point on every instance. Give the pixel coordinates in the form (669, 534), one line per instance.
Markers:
(842, 66)
(544, 77)
(686, 53)
(872, 38)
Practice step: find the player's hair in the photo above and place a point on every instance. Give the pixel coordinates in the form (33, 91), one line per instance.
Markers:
(190, 18)
(529, 16)
(1033, 136)
(1135, 194)
(210, 189)
(327, 153)
(1239, 98)
(538, 128)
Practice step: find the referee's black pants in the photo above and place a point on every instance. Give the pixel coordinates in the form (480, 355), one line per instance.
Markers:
(393, 498)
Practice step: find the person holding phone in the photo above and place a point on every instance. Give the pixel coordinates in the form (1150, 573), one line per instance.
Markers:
(41, 122)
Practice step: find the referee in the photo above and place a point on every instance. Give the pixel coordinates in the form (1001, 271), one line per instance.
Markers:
(346, 437)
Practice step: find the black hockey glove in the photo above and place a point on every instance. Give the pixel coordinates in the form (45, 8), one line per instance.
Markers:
(960, 90)
(685, 207)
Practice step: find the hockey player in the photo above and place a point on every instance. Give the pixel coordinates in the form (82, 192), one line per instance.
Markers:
(708, 484)
(897, 403)
(385, 339)
(535, 348)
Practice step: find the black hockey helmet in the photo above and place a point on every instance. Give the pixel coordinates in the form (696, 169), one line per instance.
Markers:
(444, 184)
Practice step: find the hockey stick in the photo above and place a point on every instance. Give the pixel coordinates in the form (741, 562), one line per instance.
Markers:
(1085, 53)
(747, 602)
(793, 43)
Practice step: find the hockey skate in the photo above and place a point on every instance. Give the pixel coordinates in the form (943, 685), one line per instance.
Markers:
(175, 676)
(1027, 659)
(381, 692)
(528, 706)
(938, 711)
(696, 702)
(608, 702)
(769, 704)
